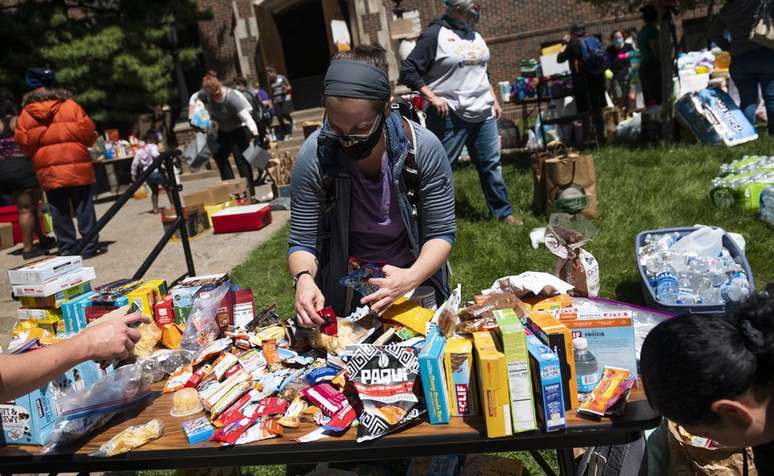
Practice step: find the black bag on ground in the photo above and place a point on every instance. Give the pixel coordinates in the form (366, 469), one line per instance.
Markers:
(509, 134)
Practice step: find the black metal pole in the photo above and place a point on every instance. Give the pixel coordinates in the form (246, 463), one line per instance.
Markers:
(179, 223)
(169, 165)
(542, 463)
(122, 199)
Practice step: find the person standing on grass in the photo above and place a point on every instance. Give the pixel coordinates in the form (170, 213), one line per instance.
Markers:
(448, 66)
(370, 185)
(587, 61)
(231, 113)
(17, 178)
(619, 63)
(752, 65)
(650, 57)
(143, 159)
(283, 102)
(57, 133)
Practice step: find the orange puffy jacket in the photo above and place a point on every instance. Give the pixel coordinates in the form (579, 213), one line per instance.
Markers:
(56, 132)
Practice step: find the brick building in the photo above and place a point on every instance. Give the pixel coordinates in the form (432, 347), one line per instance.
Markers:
(297, 36)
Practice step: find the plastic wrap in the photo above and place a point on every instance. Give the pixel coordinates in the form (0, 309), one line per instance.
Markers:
(86, 410)
(131, 438)
(202, 328)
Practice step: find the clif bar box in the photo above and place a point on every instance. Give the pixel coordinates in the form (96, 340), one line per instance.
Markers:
(54, 286)
(460, 377)
(42, 270)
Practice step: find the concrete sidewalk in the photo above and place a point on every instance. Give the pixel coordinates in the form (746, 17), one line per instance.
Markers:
(133, 233)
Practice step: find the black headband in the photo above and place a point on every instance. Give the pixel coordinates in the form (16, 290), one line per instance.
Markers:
(351, 79)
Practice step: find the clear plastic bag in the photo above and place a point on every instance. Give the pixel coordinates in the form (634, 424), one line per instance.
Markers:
(86, 410)
(202, 328)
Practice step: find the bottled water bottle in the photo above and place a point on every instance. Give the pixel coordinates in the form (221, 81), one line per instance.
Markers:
(586, 366)
(667, 287)
(738, 286)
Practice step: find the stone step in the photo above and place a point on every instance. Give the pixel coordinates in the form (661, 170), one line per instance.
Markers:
(313, 114)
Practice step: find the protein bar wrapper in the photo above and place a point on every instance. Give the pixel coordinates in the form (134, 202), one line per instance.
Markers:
(384, 379)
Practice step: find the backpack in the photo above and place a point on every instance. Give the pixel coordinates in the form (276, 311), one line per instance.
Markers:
(615, 460)
(594, 59)
(260, 113)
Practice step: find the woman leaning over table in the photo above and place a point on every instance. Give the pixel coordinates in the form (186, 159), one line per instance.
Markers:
(350, 197)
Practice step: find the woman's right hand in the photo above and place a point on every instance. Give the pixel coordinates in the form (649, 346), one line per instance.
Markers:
(440, 105)
(309, 300)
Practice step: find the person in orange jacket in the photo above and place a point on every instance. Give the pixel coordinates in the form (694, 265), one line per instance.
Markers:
(56, 132)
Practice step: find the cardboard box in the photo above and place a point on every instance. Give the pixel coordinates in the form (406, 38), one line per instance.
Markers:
(461, 381)
(547, 382)
(235, 186)
(244, 307)
(40, 315)
(164, 312)
(44, 269)
(492, 374)
(6, 236)
(159, 284)
(144, 298)
(198, 199)
(54, 286)
(514, 342)
(73, 312)
(244, 218)
(29, 419)
(213, 209)
(55, 301)
(433, 374)
(558, 337)
(610, 338)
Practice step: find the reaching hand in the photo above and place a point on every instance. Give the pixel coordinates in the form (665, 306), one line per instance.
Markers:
(309, 300)
(113, 338)
(395, 283)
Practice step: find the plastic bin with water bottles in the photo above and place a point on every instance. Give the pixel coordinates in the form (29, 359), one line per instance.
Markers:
(649, 292)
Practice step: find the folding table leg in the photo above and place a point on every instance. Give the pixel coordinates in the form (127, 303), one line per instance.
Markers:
(566, 461)
(542, 463)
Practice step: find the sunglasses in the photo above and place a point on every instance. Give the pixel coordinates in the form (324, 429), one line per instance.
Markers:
(349, 140)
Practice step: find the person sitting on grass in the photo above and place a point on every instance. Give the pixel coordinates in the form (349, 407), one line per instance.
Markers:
(714, 374)
(143, 159)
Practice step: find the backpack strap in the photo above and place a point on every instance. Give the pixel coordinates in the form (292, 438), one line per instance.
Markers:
(410, 169)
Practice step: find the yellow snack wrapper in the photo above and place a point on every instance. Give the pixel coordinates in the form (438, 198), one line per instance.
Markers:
(131, 438)
(613, 384)
(171, 336)
(150, 336)
(409, 314)
(24, 325)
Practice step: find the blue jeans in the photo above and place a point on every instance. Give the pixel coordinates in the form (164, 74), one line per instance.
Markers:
(481, 139)
(749, 71)
(81, 199)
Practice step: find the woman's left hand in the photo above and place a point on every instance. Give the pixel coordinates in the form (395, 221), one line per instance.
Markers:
(395, 283)
(498, 110)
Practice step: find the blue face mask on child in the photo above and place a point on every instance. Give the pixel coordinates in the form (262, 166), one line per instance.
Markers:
(618, 42)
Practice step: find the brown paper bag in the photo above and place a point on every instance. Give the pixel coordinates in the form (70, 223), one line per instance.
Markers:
(538, 161)
(572, 171)
(685, 459)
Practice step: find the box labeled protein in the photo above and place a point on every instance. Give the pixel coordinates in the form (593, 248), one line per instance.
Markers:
(54, 286)
(461, 383)
(44, 269)
(493, 386)
(547, 381)
(517, 359)
(431, 368)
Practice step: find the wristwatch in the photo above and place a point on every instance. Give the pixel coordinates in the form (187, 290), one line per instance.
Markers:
(298, 275)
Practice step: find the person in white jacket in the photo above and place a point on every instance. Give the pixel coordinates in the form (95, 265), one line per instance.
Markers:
(230, 111)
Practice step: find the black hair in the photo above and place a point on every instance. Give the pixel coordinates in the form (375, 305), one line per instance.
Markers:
(239, 81)
(649, 13)
(373, 55)
(612, 35)
(578, 29)
(8, 105)
(690, 361)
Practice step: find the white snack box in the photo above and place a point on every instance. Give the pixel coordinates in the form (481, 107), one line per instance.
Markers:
(54, 286)
(45, 269)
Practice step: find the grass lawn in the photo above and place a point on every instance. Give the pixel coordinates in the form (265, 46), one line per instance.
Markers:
(638, 190)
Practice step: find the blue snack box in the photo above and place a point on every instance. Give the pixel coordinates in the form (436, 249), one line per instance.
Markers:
(433, 374)
(547, 383)
(73, 312)
(198, 430)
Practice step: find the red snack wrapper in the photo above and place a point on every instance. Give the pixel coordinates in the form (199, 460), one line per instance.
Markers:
(271, 406)
(342, 420)
(230, 433)
(330, 326)
(198, 376)
(325, 397)
(237, 409)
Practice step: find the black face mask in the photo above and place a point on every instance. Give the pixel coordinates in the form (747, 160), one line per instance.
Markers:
(361, 150)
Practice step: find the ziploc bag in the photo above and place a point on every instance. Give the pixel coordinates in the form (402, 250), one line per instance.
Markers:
(86, 410)
(202, 328)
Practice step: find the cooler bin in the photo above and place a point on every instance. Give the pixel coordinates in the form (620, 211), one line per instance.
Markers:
(244, 218)
(649, 292)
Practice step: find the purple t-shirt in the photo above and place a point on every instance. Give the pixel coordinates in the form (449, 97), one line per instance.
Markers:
(376, 229)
